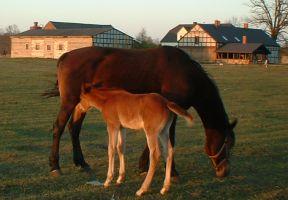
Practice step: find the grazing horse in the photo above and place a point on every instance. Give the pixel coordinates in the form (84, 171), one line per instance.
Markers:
(164, 70)
(150, 112)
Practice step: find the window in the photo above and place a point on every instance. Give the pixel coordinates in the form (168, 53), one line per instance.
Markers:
(237, 39)
(196, 39)
(27, 46)
(224, 38)
(60, 47)
(48, 47)
(37, 47)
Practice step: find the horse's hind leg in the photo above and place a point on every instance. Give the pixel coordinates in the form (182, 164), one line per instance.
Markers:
(75, 125)
(172, 129)
(58, 128)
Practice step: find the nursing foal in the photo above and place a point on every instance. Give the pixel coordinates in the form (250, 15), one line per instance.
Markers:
(150, 112)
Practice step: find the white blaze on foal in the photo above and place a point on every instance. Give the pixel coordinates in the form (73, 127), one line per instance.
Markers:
(150, 112)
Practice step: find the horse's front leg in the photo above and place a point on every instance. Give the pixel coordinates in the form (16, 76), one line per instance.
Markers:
(112, 135)
(75, 125)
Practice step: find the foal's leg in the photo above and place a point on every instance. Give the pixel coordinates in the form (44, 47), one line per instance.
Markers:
(112, 134)
(58, 128)
(144, 159)
(75, 125)
(121, 147)
(152, 142)
(168, 154)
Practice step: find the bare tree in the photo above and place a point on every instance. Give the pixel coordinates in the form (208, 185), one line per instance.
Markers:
(235, 21)
(145, 40)
(271, 14)
(12, 30)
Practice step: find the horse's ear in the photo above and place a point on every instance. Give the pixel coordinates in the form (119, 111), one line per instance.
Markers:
(234, 123)
(86, 87)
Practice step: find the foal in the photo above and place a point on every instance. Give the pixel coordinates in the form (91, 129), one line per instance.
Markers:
(150, 112)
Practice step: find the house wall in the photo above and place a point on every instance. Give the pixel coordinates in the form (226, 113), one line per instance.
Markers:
(274, 57)
(46, 47)
(234, 61)
(201, 54)
(5, 45)
(284, 55)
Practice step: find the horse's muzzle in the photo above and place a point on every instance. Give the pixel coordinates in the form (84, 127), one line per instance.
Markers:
(223, 170)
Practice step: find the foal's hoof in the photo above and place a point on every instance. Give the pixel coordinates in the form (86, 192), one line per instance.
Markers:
(164, 190)
(143, 173)
(56, 173)
(140, 192)
(119, 181)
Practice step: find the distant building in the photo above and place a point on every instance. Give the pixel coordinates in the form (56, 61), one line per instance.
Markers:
(5, 45)
(284, 55)
(223, 43)
(56, 38)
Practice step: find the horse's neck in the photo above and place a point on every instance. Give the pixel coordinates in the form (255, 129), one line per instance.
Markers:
(211, 111)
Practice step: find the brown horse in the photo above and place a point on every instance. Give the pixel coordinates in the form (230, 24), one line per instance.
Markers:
(165, 70)
(150, 112)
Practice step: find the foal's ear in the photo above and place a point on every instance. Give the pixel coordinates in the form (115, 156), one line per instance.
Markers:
(233, 124)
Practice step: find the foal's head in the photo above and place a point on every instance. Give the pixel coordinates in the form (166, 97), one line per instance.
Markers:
(218, 148)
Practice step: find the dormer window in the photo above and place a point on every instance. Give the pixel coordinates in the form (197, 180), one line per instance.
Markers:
(237, 39)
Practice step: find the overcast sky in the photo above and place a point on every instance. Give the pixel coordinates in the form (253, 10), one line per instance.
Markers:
(130, 16)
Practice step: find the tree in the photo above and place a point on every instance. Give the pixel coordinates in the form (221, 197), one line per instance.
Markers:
(272, 15)
(145, 40)
(237, 21)
(12, 30)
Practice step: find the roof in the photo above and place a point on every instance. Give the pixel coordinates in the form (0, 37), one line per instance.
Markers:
(226, 33)
(171, 36)
(243, 48)
(68, 25)
(64, 32)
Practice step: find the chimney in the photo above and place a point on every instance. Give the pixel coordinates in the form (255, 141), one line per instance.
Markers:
(244, 39)
(245, 25)
(35, 27)
(217, 23)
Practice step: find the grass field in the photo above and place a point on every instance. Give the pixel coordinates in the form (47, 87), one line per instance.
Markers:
(259, 170)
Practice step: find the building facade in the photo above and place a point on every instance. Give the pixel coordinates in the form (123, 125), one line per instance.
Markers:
(5, 45)
(206, 43)
(56, 38)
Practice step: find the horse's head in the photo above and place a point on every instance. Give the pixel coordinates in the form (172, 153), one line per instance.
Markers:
(218, 147)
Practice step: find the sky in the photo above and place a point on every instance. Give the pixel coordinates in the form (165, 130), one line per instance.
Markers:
(129, 16)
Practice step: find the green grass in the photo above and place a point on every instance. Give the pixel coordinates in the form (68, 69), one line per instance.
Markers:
(259, 170)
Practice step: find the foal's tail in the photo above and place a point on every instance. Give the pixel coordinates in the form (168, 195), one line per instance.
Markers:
(181, 112)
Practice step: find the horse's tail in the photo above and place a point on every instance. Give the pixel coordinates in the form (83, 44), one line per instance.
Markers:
(54, 92)
(181, 112)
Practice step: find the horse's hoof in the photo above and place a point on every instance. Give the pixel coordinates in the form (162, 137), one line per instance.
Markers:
(175, 179)
(56, 173)
(120, 181)
(87, 169)
(106, 185)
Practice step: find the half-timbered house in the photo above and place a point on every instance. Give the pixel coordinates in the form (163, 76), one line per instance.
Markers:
(56, 38)
(227, 43)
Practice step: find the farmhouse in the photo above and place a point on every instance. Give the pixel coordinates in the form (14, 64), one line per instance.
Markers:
(223, 43)
(5, 45)
(56, 38)
(284, 55)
